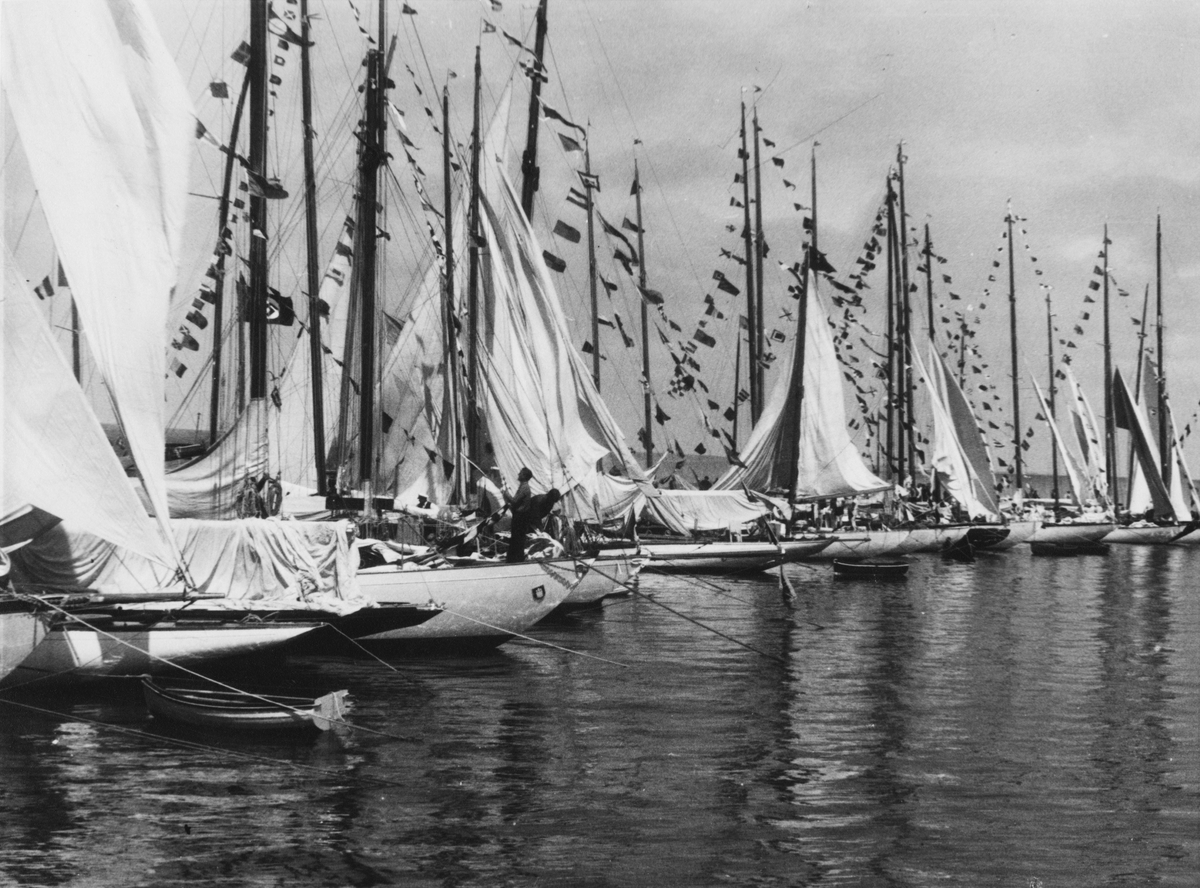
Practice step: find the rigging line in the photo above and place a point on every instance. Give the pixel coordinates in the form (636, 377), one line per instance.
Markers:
(831, 124)
(191, 744)
(535, 640)
(633, 590)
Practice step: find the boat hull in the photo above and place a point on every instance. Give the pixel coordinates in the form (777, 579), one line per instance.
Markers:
(76, 651)
(1072, 533)
(482, 604)
(935, 539)
(21, 631)
(1151, 535)
(1019, 532)
(865, 544)
(610, 574)
(716, 557)
(233, 711)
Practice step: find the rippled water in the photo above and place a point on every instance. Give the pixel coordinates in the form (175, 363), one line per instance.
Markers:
(1017, 722)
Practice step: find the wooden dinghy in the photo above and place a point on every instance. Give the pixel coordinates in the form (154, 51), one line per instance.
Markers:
(235, 710)
(870, 570)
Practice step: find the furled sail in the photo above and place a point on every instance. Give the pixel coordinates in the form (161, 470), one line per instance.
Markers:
(108, 128)
(55, 455)
(827, 462)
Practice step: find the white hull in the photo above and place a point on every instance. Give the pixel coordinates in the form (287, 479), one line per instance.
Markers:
(934, 539)
(713, 557)
(866, 544)
(1018, 532)
(610, 574)
(81, 652)
(1150, 535)
(489, 601)
(20, 632)
(1072, 533)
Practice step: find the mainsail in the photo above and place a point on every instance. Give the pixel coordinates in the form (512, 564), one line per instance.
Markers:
(1078, 493)
(107, 127)
(810, 439)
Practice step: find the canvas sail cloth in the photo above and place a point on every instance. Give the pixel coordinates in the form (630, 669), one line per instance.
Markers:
(208, 486)
(55, 455)
(299, 562)
(1074, 478)
(947, 456)
(1087, 436)
(108, 127)
(827, 462)
(1139, 489)
(1128, 414)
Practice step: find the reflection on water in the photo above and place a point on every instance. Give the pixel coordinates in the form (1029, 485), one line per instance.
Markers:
(1015, 721)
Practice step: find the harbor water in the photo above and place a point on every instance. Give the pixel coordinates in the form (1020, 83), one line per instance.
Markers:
(1019, 721)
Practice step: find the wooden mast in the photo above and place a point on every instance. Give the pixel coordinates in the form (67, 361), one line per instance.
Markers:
(929, 280)
(809, 271)
(894, 353)
(258, 203)
(1110, 437)
(371, 158)
(448, 308)
(908, 427)
(474, 445)
(591, 245)
(316, 359)
(1019, 481)
(1053, 390)
(649, 418)
(529, 168)
(751, 303)
(758, 271)
(1164, 450)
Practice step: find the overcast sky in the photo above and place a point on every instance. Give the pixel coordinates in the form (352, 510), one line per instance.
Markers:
(1081, 113)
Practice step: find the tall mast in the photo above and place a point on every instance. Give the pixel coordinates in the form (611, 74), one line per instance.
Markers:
(258, 203)
(637, 193)
(214, 402)
(449, 313)
(894, 349)
(1110, 437)
(371, 158)
(737, 383)
(1012, 332)
(314, 280)
(929, 279)
(751, 301)
(1053, 389)
(909, 427)
(591, 236)
(474, 445)
(758, 270)
(75, 358)
(809, 271)
(529, 168)
(1137, 380)
(1164, 449)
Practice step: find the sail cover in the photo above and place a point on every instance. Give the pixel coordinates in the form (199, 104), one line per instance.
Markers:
(107, 127)
(828, 463)
(54, 453)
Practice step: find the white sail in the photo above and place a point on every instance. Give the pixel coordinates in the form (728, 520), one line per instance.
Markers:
(1087, 436)
(210, 485)
(828, 463)
(1078, 493)
(107, 127)
(55, 454)
(946, 456)
(1128, 414)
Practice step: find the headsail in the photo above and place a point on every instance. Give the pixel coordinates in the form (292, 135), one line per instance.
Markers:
(1078, 493)
(108, 128)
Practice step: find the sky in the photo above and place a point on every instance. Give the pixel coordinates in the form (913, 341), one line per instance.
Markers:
(1081, 114)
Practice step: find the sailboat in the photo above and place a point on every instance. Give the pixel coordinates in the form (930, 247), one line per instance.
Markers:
(107, 143)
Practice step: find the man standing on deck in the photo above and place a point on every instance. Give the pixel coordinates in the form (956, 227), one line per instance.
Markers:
(520, 505)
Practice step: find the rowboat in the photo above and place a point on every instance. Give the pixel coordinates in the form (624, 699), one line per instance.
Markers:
(239, 711)
(870, 570)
